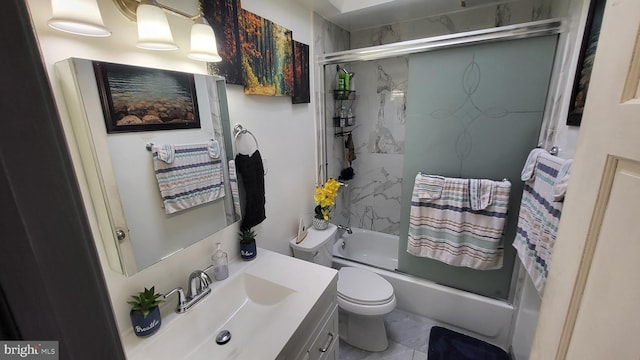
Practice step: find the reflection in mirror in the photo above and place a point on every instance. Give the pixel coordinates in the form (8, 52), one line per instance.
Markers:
(136, 230)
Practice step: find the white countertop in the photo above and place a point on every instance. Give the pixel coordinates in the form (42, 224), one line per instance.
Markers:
(281, 292)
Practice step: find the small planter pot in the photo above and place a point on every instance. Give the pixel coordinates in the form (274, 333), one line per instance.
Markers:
(145, 326)
(320, 224)
(248, 251)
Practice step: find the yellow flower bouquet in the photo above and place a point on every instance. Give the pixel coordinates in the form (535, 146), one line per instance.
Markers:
(325, 198)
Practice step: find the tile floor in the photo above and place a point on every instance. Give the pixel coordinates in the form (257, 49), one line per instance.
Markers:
(408, 339)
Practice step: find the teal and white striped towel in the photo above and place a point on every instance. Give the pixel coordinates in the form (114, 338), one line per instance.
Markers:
(192, 178)
(448, 229)
(540, 212)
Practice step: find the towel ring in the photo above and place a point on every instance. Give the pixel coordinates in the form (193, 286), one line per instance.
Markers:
(239, 130)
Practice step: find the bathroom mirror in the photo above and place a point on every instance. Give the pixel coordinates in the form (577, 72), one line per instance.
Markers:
(119, 166)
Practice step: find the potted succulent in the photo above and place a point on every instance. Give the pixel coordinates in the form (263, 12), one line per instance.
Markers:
(247, 244)
(145, 313)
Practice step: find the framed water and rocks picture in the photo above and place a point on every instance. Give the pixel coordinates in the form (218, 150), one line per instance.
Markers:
(143, 99)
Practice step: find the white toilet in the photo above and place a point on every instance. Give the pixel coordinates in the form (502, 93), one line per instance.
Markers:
(363, 296)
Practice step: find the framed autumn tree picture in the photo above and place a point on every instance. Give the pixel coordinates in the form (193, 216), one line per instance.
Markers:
(266, 56)
(223, 15)
(301, 92)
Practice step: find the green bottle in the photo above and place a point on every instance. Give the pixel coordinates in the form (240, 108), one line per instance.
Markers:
(343, 84)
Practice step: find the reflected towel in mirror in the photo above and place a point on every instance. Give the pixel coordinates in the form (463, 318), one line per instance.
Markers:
(192, 178)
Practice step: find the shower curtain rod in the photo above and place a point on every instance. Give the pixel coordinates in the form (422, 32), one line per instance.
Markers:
(518, 31)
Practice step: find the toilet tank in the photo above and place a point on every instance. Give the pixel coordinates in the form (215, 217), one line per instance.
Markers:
(317, 246)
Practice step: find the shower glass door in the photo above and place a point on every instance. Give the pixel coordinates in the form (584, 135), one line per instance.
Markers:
(474, 112)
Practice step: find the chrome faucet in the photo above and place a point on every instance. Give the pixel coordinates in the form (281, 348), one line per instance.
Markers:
(345, 228)
(199, 288)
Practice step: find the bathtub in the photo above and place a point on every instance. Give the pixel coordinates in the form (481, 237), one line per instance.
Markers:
(475, 315)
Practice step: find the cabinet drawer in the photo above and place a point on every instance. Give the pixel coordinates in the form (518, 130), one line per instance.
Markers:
(325, 342)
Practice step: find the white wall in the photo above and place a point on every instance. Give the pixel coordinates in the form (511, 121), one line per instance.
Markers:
(285, 133)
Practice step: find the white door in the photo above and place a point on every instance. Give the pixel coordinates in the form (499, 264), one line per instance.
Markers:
(591, 306)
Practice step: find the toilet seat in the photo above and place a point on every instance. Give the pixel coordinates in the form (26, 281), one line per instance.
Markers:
(364, 292)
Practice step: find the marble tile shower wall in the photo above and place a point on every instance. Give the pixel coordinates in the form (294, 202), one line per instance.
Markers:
(372, 199)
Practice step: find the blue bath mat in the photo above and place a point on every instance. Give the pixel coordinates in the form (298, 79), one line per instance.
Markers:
(445, 344)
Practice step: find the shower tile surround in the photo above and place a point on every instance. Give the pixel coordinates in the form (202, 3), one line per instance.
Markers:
(372, 199)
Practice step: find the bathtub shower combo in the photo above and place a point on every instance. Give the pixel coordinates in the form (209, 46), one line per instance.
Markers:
(453, 106)
(480, 316)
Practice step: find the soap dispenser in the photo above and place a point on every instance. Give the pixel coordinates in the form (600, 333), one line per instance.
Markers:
(220, 263)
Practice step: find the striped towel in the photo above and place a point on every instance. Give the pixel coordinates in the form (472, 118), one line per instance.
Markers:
(480, 193)
(233, 179)
(539, 216)
(192, 178)
(444, 227)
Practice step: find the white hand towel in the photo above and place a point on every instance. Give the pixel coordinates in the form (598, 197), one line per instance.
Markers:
(233, 179)
(480, 193)
(528, 171)
(164, 152)
(214, 149)
(429, 187)
(560, 188)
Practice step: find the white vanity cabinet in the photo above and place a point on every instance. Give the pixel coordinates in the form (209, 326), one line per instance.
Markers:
(317, 336)
(275, 307)
(325, 344)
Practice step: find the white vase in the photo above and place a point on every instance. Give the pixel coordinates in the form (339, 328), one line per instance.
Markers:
(320, 224)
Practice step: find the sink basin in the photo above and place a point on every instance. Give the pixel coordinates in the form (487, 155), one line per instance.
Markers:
(261, 304)
(257, 290)
(252, 307)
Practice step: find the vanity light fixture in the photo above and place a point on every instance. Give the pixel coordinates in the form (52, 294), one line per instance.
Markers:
(80, 17)
(154, 32)
(203, 43)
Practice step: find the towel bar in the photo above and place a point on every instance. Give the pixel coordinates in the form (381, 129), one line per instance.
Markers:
(149, 146)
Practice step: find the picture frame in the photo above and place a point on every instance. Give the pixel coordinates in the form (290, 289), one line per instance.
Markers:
(135, 98)
(585, 62)
(223, 16)
(267, 51)
(301, 90)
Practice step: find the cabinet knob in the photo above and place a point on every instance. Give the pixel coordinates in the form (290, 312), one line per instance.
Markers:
(120, 235)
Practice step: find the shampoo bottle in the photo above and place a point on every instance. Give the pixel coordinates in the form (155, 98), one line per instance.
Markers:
(220, 264)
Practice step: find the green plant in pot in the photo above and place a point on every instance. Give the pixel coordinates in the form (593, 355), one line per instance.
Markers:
(247, 244)
(145, 313)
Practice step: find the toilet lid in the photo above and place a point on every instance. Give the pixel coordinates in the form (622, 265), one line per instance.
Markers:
(363, 287)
